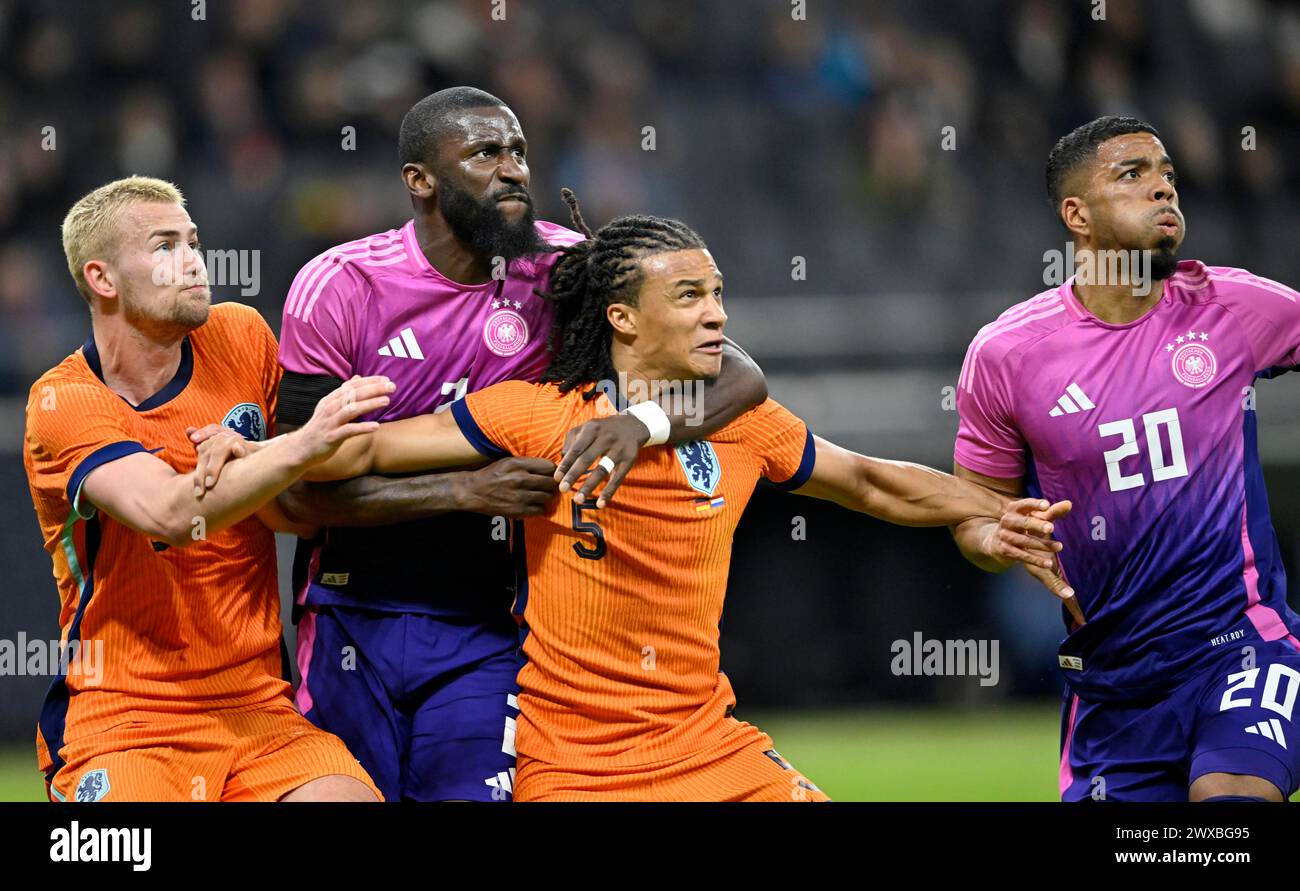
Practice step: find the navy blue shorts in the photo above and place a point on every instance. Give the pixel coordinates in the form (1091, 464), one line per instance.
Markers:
(1234, 717)
(426, 704)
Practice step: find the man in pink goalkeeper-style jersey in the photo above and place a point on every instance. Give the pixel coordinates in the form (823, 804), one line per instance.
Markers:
(407, 645)
(1182, 678)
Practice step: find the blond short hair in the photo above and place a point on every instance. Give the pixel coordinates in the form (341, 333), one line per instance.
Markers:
(91, 230)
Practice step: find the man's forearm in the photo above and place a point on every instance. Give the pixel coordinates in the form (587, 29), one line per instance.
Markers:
(377, 500)
(914, 495)
(245, 486)
(739, 387)
(354, 458)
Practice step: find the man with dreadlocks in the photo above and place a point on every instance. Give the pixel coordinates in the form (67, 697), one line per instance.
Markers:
(406, 644)
(621, 697)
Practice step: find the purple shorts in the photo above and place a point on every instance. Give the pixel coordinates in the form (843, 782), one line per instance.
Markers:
(427, 704)
(1233, 717)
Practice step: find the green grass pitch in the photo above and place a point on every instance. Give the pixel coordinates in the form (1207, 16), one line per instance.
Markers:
(1005, 754)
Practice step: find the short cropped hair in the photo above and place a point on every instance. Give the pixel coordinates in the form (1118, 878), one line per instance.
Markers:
(1080, 145)
(427, 120)
(91, 229)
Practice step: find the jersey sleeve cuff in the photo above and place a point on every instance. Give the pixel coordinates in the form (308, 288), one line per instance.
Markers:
(996, 469)
(468, 426)
(97, 458)
(806, 463)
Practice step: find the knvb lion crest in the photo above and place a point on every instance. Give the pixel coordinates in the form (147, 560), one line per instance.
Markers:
(700, 463)
(246, 420)
(93, 786)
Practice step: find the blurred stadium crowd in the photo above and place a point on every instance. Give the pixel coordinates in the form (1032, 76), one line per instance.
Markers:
(773, 137)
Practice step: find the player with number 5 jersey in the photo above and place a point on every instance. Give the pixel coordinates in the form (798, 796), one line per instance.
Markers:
(1136, 400)
(406, 646)
(620, 694)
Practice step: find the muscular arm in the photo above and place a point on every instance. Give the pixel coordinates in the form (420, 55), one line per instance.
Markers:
(143, 492)
(216, 446)
(510, 486)
(374, 500)
(983, 517)
(424, 442)
(897, 491)
(277, 519)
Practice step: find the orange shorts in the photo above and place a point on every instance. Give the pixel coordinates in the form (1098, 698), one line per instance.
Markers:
(742, 765)
(257, 754)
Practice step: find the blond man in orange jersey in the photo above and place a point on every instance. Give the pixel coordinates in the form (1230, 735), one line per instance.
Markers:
(646, 573)
(174, 584)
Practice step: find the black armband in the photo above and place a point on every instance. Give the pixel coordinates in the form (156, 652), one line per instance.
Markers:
(299, 394)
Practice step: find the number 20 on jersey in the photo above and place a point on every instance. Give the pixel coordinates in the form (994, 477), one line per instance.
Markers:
(1162, 466)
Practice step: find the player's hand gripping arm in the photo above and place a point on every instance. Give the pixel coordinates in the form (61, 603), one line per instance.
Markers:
(997, 545)
(217, 445)
(739, 386)
(145, 493)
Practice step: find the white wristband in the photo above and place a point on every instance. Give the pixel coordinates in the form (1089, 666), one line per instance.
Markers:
(654, 418)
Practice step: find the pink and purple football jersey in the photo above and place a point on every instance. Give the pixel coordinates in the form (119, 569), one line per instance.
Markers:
(1149, 428)
(377, 306)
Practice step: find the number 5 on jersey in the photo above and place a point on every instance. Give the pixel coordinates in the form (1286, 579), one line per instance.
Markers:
(591, 527)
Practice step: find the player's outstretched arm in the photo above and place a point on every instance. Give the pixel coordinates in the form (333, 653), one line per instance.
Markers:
(146, 494)
(914, 495)
(425, 442)
(739, 386)
(896, 491)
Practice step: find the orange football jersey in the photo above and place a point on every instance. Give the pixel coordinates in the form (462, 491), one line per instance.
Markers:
(181, 630)
(621, 606)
